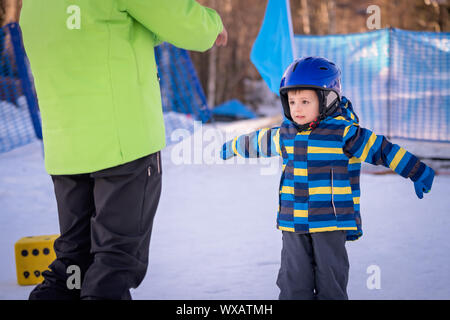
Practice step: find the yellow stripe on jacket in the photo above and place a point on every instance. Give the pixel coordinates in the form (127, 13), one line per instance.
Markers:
(327, 190)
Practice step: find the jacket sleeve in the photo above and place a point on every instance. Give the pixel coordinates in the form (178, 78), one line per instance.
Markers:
(377, 150)
(261, 143)
(183, 23)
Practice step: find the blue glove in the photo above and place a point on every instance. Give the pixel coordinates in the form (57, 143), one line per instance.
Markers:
(424, 183)
(227, 150)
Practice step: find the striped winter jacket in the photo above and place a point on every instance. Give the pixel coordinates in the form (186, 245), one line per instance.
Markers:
(319, 185)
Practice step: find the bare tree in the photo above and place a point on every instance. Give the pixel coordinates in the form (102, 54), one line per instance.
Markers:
(331, 16)
(304, 13)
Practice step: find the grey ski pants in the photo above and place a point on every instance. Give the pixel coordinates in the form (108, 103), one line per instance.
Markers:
(313, 266)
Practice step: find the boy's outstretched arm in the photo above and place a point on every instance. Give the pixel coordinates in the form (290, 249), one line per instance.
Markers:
(377, 150)
(261, 143)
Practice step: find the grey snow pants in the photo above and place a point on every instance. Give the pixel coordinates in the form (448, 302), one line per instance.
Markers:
(313, 266)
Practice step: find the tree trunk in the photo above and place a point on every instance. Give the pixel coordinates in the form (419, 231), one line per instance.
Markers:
(332, 17)
(305, 17)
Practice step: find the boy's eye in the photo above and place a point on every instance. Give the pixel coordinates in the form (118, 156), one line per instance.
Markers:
(291, 102)
(305, 101)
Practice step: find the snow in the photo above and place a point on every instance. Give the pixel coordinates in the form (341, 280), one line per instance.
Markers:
(214, 234)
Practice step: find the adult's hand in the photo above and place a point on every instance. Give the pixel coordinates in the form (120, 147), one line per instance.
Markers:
(222, 38)
(12, 11)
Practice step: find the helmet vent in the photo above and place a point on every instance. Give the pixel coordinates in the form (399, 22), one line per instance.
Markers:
(295, 66)
(323, 68)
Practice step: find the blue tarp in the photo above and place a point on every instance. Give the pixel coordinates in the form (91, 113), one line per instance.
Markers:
(273, 49)
(397, 80)
(233, 109)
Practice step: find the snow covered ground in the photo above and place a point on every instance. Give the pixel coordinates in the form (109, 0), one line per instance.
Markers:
(214, 234)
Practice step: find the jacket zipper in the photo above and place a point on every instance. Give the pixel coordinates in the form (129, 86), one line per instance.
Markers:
(149, 173)
(157, 160)
(332, 193)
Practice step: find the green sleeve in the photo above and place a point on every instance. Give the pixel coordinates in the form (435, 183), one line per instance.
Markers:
(183, 23)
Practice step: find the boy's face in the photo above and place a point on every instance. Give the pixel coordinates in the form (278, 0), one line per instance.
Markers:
(304, 105)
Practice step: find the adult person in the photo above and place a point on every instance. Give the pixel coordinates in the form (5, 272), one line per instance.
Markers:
(97, 85)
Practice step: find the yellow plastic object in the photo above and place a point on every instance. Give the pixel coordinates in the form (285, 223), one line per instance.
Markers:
(33, 256)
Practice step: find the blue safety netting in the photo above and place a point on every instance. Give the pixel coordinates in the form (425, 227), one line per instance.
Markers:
(419, 85)
(182, 95)
(397, 80)
(19, 116)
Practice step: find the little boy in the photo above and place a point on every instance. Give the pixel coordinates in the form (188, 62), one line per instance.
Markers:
(322, 146)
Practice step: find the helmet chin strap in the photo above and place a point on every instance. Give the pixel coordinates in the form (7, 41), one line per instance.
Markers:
(310, 125)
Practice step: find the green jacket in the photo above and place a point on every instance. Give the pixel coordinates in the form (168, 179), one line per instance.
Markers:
(95, 74)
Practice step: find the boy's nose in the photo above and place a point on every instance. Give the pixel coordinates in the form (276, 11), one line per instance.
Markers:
(298, 109)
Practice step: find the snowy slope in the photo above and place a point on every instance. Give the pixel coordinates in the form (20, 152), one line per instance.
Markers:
(214, 233)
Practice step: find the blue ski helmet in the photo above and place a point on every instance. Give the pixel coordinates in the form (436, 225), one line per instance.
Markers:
(315, 73)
